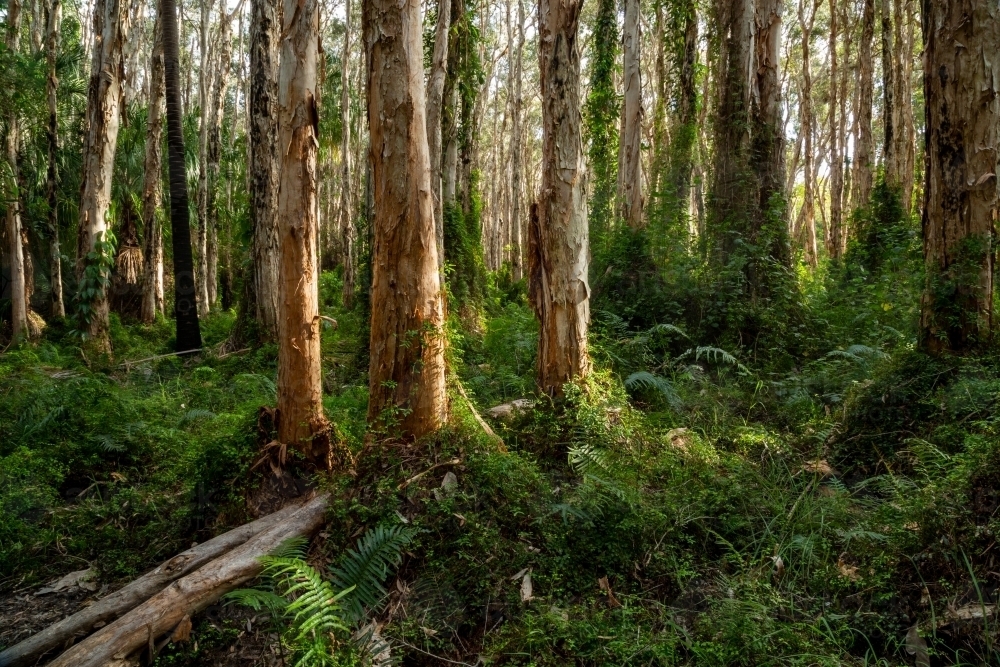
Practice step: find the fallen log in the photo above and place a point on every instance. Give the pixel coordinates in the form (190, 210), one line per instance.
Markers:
(131, 595)
(172, 608)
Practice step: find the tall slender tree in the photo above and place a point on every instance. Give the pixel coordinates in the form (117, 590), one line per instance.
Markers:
(834, 247)
(961, 199)
(347, 231)
(558, 238)
(861, 180)
(53, 22)
(185, 297)
(630, 195)
(435, 103)
(407, 369)
(18, 280)
(152, 289)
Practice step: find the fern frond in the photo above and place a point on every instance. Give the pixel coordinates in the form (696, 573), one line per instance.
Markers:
(718, 355)
(585, 458)
(363, 569)
(257, 599)
(668, 328)
(645, 381)
(314, 607)
(196, 414)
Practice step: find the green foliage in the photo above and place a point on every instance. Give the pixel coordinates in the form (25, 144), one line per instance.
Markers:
(361, 570)
(96, 278)
(601, 123)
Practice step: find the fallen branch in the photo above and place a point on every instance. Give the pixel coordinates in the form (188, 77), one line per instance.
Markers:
(405, 484)
(131, 595)
(129, 364)
(172, 608)
(479, 419)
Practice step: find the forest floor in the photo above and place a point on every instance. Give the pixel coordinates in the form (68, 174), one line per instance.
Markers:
(687, 506)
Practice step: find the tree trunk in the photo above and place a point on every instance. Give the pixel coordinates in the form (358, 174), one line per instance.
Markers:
(435, 100)
(889, 161)
(862, 179)
(204, 107)
(808, 219)
(686, 130)
(962, 104)
(18, 281)
(407, 369)
(220, 83)
(301, 421)
(262, 283)
(152, 289)
(558, 244)
(54, 20)
(769, 131)
(836, 161)
(346, 191)
(630, 196)
(100, 142)
(185, 297)
(516, 190)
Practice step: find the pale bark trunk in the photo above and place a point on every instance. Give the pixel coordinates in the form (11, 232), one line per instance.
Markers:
(962, 104)
(808, 220)
(152, 290)
(301, 421)
(435, 100)
(516, 190)
(36, 25)
(905, 130)
(264, 166)
(18, 280)
(862, 179)
(841, 129)
(204, 106)
(558, 239)
(100, 142)
(836, 161)
(769, 131)
(630, 195)
(346, 191)
(54, 16)
(220, 84)
(685, 132)
(407, 368)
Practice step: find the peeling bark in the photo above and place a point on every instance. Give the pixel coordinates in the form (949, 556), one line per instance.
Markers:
(152, 289)
(862, 178)
(53, 21)
(630, 195)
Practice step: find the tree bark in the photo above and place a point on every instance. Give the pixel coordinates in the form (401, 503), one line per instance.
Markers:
(862, 179)
(407, 369)
(133, 594)
(962, 105)
(185, 296)
(889, 161)
(204, 108)
(558, 238)
(152, 289)
(808, 216)
(18, 280)
(301, 421)
(435, 101)
(836, 161)
(100, 141)
(630, 195)
(516, 189)
(54, 20)
(220, 84)
(263, 167)
(190, 594)
(685, 131)
(347, 231)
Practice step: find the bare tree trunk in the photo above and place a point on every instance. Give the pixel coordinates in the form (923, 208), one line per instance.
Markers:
(407, 369)
(558, 239)
(100, 142)
(685, 132)
(888, 99)
(152, 289)
(18, 284)
(841, 129)
(808, 224)
(962, 103)
(905, 128)
(204, 105)
(263, 168)
(836, 161)
(54, 19)
(435, 100)
(346, 191)
(862, 179)
(516, 215)
(630, 195)
(301, 421)
(220, 84)
(769, 130)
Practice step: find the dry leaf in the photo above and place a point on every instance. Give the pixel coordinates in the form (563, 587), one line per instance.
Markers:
(606, 587)
(428, 631)
(450, 482)
(916, 646)
(520, 574)
(526, 589)
(461, 519)
(847, 571)
(779, 567)
(79, 578)
(819, 467)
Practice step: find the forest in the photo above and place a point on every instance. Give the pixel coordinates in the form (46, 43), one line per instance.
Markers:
(484, 332)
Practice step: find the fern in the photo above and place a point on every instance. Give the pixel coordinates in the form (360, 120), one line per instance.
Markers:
(257, 599)
(587, 458)
(717, 355)
(645, 381)
(314, 609)
(668, 328)
(196, 414)
(363, 569)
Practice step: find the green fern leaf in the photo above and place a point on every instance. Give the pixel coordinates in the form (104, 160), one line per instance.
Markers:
(363, 569)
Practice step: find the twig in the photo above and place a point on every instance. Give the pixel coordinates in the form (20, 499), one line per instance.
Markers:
(421, 474)
(452, 662)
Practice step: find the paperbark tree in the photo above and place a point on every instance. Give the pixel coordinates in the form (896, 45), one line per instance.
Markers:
(152, 288)
(346, 190)
(516, 190)
(262, 283)
(807, 217)
(204, 108)
(53, 21)
(769, 132)
(407, 370)
(962, 105)
(301, 421)
(862, 177)
(99, 144)
(685, 130)
(836, 160)
(18, 282)
(630, 195)
(558, 238)
(435, 103)
(889, 113)
(185, 297)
